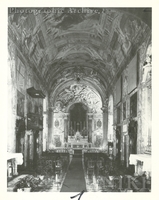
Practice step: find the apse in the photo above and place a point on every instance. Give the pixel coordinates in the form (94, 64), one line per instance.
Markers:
(78, 117)
(77, 109)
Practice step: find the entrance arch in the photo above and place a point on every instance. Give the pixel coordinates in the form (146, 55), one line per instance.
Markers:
(78, 109)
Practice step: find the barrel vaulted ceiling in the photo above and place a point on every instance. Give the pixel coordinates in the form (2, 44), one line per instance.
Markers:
(91, 45)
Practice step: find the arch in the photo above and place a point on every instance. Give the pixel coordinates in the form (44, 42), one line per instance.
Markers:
(78, 116)
(104, 74)
(71, 104)
(110, 118)
(75, 93)
(97, 89)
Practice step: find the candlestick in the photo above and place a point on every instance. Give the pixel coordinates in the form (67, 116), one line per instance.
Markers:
(74, 125)
(77, 126)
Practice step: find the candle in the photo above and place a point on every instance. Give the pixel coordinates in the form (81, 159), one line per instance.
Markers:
(75, 126)
(56, 179)
(80, 126)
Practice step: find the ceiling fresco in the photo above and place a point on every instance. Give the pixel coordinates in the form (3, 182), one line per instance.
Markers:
(78, 93)
(64, 44)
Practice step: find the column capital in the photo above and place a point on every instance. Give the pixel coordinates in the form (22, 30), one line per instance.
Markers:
(90, 115)
(105, 105)
(65, 115)
(104, 109)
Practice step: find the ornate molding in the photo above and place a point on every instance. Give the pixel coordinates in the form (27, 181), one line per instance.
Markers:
(90, 116)
(78, 93)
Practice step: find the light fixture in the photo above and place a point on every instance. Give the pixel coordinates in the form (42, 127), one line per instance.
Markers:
(78, 79)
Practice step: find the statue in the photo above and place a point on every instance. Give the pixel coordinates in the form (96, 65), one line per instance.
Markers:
(147, 69)
(78, 136)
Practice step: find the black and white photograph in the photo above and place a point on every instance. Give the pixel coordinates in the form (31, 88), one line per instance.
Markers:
(79, 106)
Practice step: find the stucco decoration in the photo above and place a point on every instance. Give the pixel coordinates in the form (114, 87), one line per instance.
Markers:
(144, 101)
(99, 123)
(147, 66)
(58, 129)
(78, 93)
(125, 83)
(56, 123)
(97, 137)
(79, 74)
(59, 106)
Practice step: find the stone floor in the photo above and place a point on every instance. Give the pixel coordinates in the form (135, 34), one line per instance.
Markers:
(75, 179)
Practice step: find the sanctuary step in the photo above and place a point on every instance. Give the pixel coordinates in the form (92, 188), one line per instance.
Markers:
(77, 144)
(77, 153)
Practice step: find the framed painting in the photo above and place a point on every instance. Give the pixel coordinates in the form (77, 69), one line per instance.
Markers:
(20, 104)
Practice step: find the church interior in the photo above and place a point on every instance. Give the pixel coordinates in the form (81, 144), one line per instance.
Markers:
(79, 99)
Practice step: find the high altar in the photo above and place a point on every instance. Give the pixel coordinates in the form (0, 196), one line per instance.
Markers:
(78, 141)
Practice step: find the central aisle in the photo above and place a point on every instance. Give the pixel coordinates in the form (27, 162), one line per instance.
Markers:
(75, 180)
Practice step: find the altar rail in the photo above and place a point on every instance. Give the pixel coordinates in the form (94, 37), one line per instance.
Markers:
(74, 139)
(13, 159)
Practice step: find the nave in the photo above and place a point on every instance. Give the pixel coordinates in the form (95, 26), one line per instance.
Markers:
(79, 99)
(88, 172)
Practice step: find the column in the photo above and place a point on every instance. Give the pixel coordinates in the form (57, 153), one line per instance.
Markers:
(66, 127)
(105, 126)
(45, 125)
(50, 127)
(90, 116)
(12, 96)
(114, 140)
